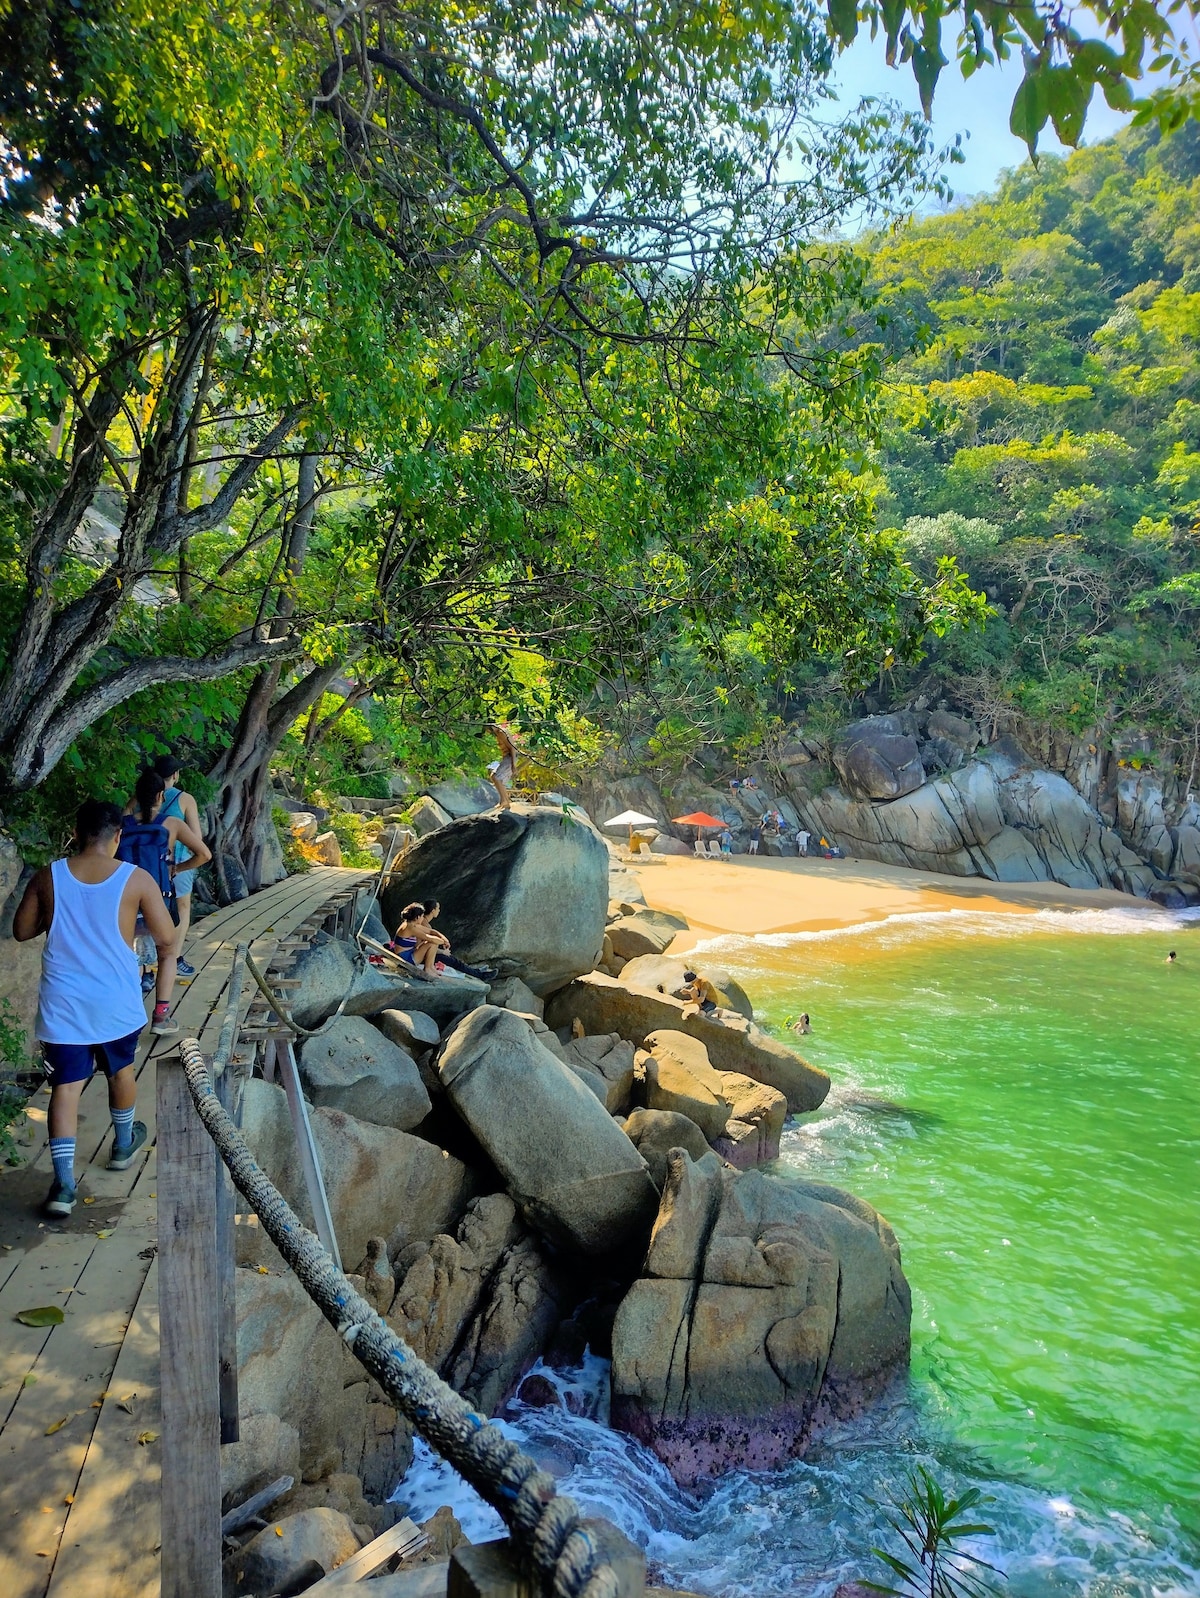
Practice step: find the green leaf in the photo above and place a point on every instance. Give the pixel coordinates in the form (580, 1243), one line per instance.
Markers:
(1029, 110)
(46, 1315)
(843, 18)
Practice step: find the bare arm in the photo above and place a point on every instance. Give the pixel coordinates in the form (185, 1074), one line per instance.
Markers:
(180, 832)
(161, 928)
(35, 910)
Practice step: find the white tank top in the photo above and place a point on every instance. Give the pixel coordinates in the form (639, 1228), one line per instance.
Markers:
(91, 980)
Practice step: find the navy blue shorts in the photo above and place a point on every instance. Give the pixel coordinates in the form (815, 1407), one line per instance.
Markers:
(75, 1062)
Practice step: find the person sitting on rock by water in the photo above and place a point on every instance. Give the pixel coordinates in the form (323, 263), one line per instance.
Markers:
(148, 840)
(90, 1006)
(700, 997)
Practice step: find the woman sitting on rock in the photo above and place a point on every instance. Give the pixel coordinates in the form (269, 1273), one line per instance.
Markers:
(415, 941)
(447, 961)
(700, 997)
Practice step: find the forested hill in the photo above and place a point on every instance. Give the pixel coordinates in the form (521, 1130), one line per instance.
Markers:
(1047, 434)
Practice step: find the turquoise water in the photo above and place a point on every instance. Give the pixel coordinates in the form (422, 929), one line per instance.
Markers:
(1020, 1096)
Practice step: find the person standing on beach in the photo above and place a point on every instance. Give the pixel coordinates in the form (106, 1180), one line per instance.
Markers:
(802, 842)
(90, 1006)
(755, 839)
(177, 802)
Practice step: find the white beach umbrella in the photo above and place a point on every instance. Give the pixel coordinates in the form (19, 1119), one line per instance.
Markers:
(631, 819)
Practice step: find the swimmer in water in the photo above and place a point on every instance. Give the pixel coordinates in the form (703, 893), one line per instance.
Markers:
(801, 1024)
(1171, 958)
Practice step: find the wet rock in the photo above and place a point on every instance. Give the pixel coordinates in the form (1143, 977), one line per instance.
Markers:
(352, 1066)
(605, 1004)
(765, 1308)
(523, 891)
(574, 1173)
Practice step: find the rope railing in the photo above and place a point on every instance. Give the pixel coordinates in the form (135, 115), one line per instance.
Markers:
(546, 1528)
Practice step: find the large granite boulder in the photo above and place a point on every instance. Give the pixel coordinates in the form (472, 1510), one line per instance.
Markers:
(377, 1180)
(352, 1066)
(292, 1553)
(666, 972)
(427, 816)
(765, 1309)
(410, 1030)
(679, 1078)
(604, 1004)
(1141, 821)
(328, 970)
(574, 1173)
(464, 796)
(523, 890)
(440, 1282)
(876, 760)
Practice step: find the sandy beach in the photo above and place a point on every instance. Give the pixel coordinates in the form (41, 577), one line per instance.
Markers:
(749, 895)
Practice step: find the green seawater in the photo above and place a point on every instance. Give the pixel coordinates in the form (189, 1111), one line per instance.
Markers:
(1020, 1096)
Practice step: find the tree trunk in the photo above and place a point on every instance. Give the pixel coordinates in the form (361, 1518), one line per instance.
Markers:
(241, 809)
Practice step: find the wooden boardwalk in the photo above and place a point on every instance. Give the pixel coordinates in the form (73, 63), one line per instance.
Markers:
(80, 1463)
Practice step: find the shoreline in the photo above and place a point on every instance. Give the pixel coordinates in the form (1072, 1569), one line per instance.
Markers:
(762, 894)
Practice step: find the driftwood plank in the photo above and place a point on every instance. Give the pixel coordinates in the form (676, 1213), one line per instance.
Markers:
(404, 1538)
(191, 1441)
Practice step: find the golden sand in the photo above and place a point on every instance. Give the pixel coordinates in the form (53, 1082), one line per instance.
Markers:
(761, 894)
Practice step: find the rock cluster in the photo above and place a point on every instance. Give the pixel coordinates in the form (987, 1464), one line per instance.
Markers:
(554, 1159)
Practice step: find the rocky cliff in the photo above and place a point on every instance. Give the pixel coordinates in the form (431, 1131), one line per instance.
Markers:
(920, 789)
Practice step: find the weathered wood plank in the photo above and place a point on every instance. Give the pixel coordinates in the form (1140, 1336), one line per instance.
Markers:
(404, 1538)
(110, 1544)
(191, 1437)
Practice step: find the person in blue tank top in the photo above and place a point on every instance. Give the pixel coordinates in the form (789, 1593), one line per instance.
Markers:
(178, 802)
(90, 1005)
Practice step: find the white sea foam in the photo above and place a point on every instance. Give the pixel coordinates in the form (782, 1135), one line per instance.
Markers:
(981, 923)
(805, 1529)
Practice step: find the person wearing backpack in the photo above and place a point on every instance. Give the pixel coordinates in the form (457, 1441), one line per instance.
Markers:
(90, 1007)
(178, 802)
(148, 840)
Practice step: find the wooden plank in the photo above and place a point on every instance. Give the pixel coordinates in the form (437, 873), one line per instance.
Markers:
(45, 1441)
(423, 1581)
(255, 1504)
(228, 1091)
(191, 1438)
(404, 1538)
(110, 1543)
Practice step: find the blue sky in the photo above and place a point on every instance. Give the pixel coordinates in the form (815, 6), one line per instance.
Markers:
(978, 107)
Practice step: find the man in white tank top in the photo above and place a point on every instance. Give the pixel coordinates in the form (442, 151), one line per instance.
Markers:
(90, 1005)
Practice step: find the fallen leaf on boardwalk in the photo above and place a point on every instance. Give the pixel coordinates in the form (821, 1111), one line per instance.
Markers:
(106, 1233)
(127, 1404)
(58, 1426)
(89, 1200)
(147, 1437)
(263, 1271)
(44, 1315)
(279, 1531)
(69, 1499)
(28, 1379)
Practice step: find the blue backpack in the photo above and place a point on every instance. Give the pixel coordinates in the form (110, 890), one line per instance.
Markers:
(148, 844)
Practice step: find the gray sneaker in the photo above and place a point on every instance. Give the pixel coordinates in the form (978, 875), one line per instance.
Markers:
(60, 1200)
(122, 1154)
(164, 1026)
